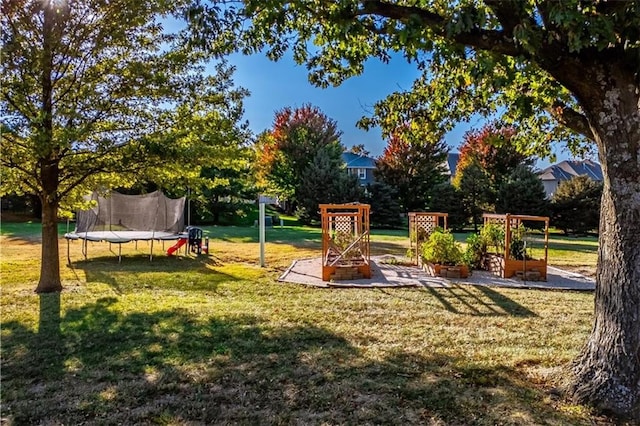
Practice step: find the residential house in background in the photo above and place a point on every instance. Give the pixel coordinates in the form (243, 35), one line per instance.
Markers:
(451, 165)
(568, 169)
(361, 166)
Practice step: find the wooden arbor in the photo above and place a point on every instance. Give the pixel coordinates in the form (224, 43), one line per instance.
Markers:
(505, 264)
(421, 225)
(345, 241)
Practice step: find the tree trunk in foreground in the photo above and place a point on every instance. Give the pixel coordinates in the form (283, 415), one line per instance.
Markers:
(49, 166)
(50, 259)
(607, 371)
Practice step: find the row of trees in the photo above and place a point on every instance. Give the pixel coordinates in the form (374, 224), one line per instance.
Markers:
(299, 160)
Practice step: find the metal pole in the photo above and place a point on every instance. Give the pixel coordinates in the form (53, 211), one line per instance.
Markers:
(261, 219)
(188, 206)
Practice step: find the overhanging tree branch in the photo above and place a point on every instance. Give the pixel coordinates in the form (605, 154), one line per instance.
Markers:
(484, 39)
(571, 118)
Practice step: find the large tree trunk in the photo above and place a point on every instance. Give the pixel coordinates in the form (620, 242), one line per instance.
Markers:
(607, 371)
(50, 258)
(49, 168)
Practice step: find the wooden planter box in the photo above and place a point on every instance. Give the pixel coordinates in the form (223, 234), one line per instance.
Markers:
(530, 269)
(444, 271)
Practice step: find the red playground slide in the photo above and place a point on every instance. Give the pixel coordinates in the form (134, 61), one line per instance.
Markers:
(174, 248)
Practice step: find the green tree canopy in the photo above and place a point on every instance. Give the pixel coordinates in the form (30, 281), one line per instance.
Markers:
(494, 150)
(576, 205)
(299, 139)
(325, 181)
(447, 199)
(522, 193)
(474, 185)
(561, 71)
(413, 167)
(97, 95)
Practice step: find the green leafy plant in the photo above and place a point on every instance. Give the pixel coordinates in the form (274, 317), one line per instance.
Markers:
(493, 235)
(342, 240)
(517, 246)
(442, 248)
(475, 251)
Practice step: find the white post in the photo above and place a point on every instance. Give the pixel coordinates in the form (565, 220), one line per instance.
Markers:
(261, 220)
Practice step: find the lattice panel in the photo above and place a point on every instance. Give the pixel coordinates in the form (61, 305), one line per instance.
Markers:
(343, 224)
(497, 221)
(426, 223)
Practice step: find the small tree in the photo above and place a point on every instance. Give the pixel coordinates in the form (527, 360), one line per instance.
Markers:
(325, 180)
(475, 187)
(385, 208)
(576, 205)
(98, 95)
(224, 192)
(447, 199)
(522, 193)
(285, 152)
(412, 167)
(493, 149)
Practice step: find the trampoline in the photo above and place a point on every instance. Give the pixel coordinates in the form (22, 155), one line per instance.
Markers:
(120, 218)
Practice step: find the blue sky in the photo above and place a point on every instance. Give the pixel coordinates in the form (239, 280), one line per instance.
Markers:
(275, 85)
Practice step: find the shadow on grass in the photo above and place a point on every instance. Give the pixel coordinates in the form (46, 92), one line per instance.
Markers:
(136, 272)
(112, 367)
(476, 301)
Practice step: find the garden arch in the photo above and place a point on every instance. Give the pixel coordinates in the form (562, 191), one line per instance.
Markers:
(345, 241)
(505, 264)
(421, 225)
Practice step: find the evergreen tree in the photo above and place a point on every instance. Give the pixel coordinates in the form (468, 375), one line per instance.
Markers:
(412, 167)
(325, 181)
(447, 199)
(522, 193)
(475, 187)
(385, 208)
(576, 205)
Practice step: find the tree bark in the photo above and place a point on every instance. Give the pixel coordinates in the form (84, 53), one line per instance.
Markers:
(49, 168)
(50, 258)
(607, 371)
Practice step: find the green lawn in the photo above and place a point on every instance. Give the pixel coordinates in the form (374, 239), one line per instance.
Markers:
(216, 339)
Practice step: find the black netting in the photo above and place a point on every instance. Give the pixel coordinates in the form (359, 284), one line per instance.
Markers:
(120, 212)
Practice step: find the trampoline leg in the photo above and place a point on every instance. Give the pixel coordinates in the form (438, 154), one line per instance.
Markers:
(84, 249)
(119, 253)
(151, 252)
(68, 256)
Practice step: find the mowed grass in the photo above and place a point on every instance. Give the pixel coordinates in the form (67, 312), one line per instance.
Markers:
(217, 340)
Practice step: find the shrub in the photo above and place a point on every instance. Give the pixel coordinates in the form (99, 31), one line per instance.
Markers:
(475, 251)
(493, 236)
(442, 248)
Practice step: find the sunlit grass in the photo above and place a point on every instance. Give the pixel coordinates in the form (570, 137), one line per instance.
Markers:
(217, 340)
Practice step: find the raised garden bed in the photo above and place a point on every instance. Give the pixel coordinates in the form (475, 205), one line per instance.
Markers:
(529, 270)
(446, 271)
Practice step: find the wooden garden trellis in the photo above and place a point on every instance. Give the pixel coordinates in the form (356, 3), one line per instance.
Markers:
(345, 241)
(421, 225)
(507, 266)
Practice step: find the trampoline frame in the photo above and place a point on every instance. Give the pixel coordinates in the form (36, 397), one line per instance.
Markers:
(120, 237)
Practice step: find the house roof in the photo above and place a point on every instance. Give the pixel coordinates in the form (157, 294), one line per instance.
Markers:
(568, 169)
(358, 161)
(452, 163)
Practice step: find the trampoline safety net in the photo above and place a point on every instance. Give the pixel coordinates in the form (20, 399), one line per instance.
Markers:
(119, 212)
